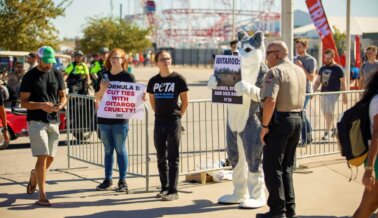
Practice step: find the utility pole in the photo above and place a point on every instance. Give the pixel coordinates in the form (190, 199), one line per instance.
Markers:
(347, 61)
(111, 8)
(120, 11)
(287, 25)
(233, 21)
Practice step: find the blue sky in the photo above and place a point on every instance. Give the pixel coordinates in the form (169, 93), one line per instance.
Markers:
(80, 10)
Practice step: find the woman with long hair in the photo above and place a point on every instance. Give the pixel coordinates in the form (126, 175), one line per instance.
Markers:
(369, 202)
(114, 131)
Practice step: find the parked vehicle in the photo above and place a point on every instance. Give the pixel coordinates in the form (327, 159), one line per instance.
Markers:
(17, 125)
(82, 122)
(9, 58)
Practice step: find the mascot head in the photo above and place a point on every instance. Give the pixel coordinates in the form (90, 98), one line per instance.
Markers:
(251, 48)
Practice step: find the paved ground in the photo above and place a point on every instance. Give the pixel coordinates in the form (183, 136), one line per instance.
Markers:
(321, 184)
(322, 190)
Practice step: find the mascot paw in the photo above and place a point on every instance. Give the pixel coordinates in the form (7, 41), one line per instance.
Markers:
(242, 88)
(212, 83)
(232, 199)
(253, 203)
(254, 93)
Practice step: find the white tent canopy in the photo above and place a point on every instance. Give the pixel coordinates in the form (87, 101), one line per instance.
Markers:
(358, 25)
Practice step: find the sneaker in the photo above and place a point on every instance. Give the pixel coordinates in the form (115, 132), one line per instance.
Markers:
(105, 185)
(333, 132)
(122, 186)
(161, 194)
(170, 197)
(269, 215)
(326, 136)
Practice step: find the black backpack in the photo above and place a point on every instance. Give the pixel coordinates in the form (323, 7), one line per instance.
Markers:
(353, 134)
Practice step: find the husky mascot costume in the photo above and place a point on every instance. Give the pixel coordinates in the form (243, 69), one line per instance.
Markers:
(244, 148)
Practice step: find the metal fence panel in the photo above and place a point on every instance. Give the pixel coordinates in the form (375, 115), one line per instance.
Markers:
(318, 121)
(203, 141)
(84, 142)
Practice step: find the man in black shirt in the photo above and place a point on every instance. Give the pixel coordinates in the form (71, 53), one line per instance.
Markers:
(164, 90)
(43, 95)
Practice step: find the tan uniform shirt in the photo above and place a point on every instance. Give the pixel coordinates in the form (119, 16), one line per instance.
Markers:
(286, 83)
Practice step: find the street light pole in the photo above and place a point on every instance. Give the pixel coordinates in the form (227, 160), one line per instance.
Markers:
(233, 21)
(348, 47)
(287, 25)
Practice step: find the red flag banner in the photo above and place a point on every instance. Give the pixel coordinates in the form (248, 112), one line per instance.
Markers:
(318, 16)
(357, 55)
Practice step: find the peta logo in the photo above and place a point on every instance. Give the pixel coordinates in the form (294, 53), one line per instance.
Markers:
(164, 87)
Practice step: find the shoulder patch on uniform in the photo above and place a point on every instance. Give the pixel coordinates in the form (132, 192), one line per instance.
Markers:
(269, 78)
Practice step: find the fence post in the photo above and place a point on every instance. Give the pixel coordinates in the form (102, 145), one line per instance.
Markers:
(68, 126)
(147, 153)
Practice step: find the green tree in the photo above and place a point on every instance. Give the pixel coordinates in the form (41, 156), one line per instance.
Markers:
(113, 33)
(26, 24)
(340, 39)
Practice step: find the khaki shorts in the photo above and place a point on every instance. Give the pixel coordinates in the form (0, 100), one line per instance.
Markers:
(328, 102)
(44, 138)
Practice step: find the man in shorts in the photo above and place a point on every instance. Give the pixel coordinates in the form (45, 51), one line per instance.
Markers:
(43, 95)
(331, 77)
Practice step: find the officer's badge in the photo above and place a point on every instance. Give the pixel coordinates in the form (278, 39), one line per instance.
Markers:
(269, 78)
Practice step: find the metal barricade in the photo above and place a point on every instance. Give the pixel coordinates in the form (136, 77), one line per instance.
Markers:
(203, 141)
(83, 138)
(321, 145)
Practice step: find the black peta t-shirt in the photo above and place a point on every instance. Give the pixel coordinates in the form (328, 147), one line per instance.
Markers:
(43, 87)
(121, 77)
(166, 91)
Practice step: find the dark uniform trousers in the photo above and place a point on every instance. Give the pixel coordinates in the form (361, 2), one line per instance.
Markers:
(167, 135)
(278, 161)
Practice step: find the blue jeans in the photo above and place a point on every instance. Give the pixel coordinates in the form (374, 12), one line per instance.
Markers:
(114, 137)
(306, 126)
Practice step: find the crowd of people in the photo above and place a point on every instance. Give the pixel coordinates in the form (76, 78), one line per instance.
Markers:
(42, 91)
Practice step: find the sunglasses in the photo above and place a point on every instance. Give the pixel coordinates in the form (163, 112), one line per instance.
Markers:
(115, 58)
(268, 52)
(164, 59)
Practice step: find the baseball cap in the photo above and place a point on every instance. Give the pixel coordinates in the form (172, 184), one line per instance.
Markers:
(103, 50)
(47, 54)
(32, 55)
(78, 53)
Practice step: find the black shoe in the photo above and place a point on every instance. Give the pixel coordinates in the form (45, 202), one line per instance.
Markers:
(291, 215)
(170, 197)
(122, 186)
(269, 215)
(105, 185)
(333, 132)
(161, 194)
(288, 215)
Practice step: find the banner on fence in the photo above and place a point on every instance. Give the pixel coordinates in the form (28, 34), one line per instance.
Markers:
(123, 100)
(227, 69)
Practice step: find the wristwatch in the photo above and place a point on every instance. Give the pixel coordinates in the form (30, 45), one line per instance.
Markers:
(369, 168)
(5, 129)
(263, 126)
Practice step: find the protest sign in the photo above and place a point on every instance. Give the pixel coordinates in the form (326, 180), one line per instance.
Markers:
(227, 70)
(122, 100)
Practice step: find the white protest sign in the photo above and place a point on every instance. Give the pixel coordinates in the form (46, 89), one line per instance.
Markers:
(122, 100)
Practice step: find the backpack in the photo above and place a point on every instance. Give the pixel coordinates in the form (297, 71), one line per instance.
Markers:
(353, 134)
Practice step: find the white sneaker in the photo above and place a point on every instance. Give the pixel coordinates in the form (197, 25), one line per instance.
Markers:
(326, 136)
